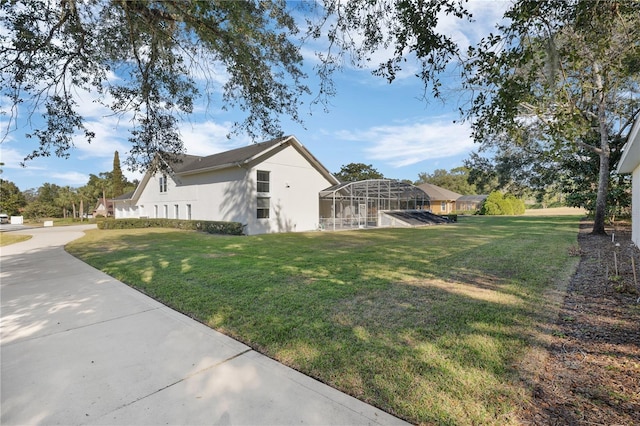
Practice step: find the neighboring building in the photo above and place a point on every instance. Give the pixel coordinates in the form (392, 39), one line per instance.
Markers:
(468, 203)
(104, 207)
(442, 200)
(268, 187)
(630, 163)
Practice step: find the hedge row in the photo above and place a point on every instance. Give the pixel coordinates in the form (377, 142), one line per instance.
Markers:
(211, 227)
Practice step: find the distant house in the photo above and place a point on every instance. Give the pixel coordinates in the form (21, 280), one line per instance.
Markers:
(468, 203)
(104, 207)
(630, 163)
(442, 200)
(268, 187)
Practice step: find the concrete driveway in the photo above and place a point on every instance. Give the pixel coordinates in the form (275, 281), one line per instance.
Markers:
(79, 347)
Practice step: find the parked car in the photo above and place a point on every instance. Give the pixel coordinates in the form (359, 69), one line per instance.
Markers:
(4, 218)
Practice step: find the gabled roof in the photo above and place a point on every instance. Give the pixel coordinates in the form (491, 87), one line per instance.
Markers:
(437, 193)
(125, 196)
(631, 152)
(192, 164)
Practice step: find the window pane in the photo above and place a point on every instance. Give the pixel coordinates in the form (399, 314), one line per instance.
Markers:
(163, 183)
(263, 181)
(263, 208)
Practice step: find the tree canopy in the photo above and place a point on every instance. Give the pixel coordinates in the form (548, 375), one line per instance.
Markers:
(11, 199)
(149, 60)
(354, 172)
(118, 181)
(146, 60)
(559, 79)
(456, 180)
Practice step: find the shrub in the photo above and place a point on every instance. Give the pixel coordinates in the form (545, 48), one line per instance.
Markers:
(38, 210)
(453, 217)
(491, 205)
(499, 204)
(211, 227)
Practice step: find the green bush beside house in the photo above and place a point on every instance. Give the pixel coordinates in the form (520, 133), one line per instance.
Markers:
(211, 227)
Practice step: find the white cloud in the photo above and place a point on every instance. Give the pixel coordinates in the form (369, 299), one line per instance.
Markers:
(70, 178)
(110, 135)
(404, 145)
(209, 137)
(486, 14)
(11, 157)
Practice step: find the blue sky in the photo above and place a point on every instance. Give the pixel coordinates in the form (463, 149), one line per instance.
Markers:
(369, 121)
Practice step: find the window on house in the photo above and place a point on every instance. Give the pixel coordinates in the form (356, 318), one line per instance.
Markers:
(263, 181)
(263, 207)
(443, 206)
(188, 211)
(176, 210)
(155, 211)
(163, 183)
(166, 211)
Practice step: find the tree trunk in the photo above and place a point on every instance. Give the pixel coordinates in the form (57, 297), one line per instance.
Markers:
(603, 189)
(604, 153)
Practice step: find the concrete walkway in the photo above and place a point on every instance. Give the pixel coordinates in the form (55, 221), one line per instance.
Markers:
(79, 347)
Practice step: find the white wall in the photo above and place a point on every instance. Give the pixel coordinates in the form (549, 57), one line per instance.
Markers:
(294, 194)
(231, 195)
(635, 206)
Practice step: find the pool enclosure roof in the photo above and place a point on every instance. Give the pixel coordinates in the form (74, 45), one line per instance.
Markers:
(383, 189)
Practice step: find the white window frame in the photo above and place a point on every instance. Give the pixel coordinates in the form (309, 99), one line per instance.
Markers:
(263, 185)
(163, 184)
(262, 209)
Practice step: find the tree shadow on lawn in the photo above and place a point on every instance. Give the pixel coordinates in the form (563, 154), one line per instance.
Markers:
(425, 352)
(432, 335)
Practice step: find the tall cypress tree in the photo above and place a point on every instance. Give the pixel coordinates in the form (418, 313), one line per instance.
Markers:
(117, 180)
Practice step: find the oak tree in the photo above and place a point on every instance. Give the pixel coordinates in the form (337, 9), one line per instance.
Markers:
(146, 60)
(569, 71)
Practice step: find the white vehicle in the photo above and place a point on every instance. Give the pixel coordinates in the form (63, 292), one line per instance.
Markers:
(4, 218)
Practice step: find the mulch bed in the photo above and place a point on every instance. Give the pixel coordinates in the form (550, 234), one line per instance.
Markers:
(591, 372)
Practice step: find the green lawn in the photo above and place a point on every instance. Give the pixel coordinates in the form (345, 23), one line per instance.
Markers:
(7, 238)
(426, 323)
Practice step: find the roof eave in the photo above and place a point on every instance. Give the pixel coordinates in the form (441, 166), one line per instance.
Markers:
(631, 152)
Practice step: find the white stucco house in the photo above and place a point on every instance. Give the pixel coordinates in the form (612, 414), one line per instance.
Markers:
(269, 187)
(630, 163)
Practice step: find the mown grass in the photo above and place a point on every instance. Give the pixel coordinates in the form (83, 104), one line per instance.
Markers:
(6, 239)
(425, 323)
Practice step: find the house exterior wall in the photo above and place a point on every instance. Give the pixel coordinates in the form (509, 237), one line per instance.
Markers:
(442, 207)
(204, 196)
(635, 206)
(630, 163)
(231, 195)
(294, 200)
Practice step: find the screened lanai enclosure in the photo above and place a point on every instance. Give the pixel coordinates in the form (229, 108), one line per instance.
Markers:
(362, 204)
